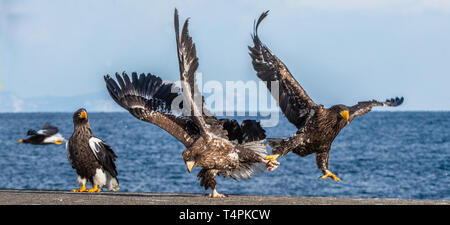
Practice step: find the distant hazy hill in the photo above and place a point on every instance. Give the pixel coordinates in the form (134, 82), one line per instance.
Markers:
(94, 102)
(10, 102)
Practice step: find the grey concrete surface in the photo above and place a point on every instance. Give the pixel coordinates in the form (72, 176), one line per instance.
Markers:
(45, 197)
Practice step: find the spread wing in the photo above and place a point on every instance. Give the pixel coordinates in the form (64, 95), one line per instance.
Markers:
(188, 64)
(149, 99)
(292, 99)
(48, 130)
(104, 154)
(364, 107)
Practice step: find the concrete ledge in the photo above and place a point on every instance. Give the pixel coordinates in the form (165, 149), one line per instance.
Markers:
(44, 197)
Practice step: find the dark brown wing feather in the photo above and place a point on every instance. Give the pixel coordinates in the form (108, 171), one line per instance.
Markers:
(282, 146)
(364, 107)
(293, 100)
(104, 154)
(49, 129)
(248, 131)
(188, 63)
(149, 99)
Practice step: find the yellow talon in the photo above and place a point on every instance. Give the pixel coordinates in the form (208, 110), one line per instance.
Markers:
(58, 142)
(331, 175)
(82, 189)
(272, 157)
(95, 189)
(272, 162)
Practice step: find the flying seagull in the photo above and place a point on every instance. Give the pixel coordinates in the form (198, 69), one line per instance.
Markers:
(91, 157)
(317, 126)
(48, 135)
(220, 147)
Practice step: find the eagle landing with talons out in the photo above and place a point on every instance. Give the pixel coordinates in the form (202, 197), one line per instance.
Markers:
(91, 157)
(220, 147)
(317, 126)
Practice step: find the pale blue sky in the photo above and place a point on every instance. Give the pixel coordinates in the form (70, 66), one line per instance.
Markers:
(340, 51)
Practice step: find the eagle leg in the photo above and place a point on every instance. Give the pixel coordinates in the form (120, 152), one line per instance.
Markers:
(95, 189)
(208, 180)
(271, 162)
(322, 163)
(82, 189)
(216, 194)
(331, 175)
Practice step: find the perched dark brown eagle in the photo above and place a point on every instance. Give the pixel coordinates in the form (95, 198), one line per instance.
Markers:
(220, 147)
(48, 135)
(91, 157)
(317, 126)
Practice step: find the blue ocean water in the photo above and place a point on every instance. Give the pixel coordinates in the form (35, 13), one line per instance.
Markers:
(380, 155)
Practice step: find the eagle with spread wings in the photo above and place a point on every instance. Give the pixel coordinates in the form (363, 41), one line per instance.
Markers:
(317, 126)
(220, 147)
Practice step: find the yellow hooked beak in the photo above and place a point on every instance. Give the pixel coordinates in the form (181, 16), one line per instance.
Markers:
(21, 140)
(190, 165)
(345, 114)
(83, 115)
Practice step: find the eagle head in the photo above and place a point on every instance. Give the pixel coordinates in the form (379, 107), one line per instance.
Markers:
(342, 112)
(195, 155)
(80, 117)
(190, 159)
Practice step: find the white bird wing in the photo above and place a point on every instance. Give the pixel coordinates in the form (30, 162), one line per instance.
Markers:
(104, 154)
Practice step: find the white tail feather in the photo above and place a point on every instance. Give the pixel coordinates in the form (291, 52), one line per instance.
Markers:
(248, 170)
(111, 182)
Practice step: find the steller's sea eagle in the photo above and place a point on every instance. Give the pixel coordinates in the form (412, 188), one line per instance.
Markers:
(317, 126)
(48, 135)
(91, 157)
(220, 147)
